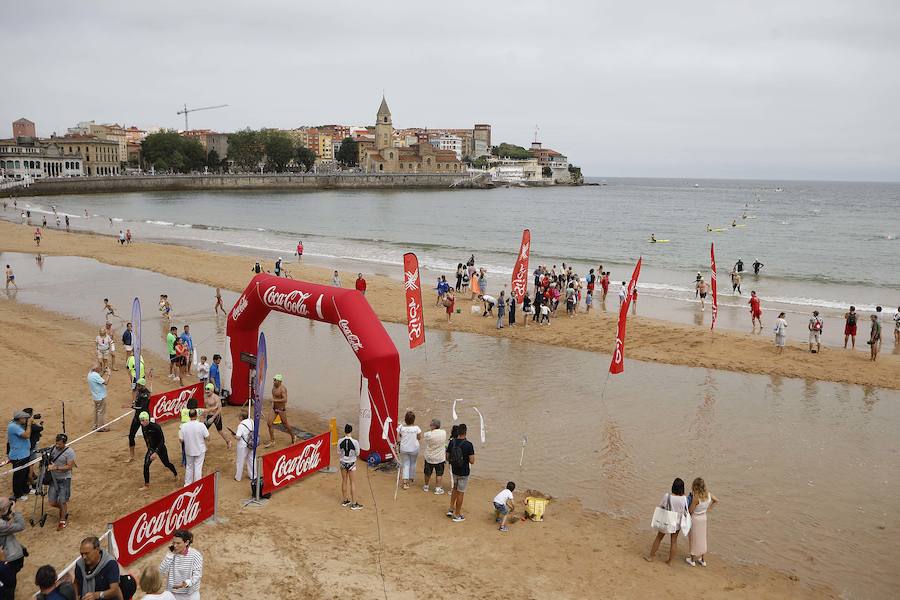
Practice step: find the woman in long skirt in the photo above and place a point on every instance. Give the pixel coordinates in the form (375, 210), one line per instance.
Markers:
(512, 310)
(701, 503)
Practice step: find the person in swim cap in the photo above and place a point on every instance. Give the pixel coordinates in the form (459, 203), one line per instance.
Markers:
(141, 405)
(156, 447)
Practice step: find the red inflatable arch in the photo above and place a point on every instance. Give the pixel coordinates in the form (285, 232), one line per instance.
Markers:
(348, 309)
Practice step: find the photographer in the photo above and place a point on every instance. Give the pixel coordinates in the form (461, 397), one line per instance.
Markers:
(37, 430)
(62, 461)
(184, 566)
(19, 437)
(10, 523)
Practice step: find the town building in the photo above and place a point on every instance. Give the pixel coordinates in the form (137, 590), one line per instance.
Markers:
(386, 157)
(101, 156)
(447, 141)
(201, 135)
(217, 142)
(111, 132)
(23, 128)
(553, 160)
(514, 171)
(30, 157)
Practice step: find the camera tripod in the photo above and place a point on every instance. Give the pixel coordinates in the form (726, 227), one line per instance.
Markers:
(40, 490)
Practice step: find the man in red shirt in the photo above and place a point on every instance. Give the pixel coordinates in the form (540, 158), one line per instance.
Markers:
(360, 284)
(755, 312)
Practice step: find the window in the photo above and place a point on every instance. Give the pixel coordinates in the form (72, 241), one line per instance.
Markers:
(381, 167)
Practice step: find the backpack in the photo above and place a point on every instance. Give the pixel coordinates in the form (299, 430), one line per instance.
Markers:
(128, 586)
(457, 458)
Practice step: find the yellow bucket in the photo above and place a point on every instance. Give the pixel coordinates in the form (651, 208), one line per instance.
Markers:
(534, 507)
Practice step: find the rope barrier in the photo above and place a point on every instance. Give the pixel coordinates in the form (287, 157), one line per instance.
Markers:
(37, 460)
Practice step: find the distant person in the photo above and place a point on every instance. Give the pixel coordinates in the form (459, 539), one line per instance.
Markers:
(701, 503)
(174, 360)
(121, 237)
(348, 453)
(623, 294)
(489, 302)
(450, 304)
(739, 266)
(10, 278)
(219, 305)
(188, 341)
(850, 327)
(459, 276)
(815, 332)
(897, 328)
(128, 237)
(336, 279)
(755, 312)
(37, 234)
(257, 268)
(676, 503)
(780, 332)
(878, 317)
(214, 376)
(128, 340)
(501, 310)
(757, 266)
(874, 337)
(435, 456)
(511, 311)
(278, 267)
(504, 505)
(360, 284)
(299, 251)
(461, 456)
(97, 384)
(279, 409)
(697, 281)
(735, 282)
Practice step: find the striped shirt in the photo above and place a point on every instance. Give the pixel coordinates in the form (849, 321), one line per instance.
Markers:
(183, 568)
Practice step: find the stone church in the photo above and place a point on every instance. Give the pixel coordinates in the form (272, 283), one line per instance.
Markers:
(385, 157)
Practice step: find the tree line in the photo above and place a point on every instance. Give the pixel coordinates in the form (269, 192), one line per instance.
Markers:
(248, 149)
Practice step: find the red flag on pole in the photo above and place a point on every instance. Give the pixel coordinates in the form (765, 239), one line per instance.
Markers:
(414, 322)
(520, 272)
(715, 300)
(617, 365)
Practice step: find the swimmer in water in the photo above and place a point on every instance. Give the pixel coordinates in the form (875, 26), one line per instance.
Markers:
(708, 228)
(698, 279)
(734, 223)
(757, 266)
(653, 238)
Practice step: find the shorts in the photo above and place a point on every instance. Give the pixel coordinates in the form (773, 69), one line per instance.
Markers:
(348, 466)
(217, 422)
(173, 358)
(461, 483)
(128, 348)
(703, 294)
(102, 355)
(60, 490)
(438, 469)
(756, 314)
(503, 509)
(814, 336)
(849, 329)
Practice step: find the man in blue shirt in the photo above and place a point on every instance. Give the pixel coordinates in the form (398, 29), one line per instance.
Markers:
(189, 342)
(18, 433)
(214, 373)
(97, 383)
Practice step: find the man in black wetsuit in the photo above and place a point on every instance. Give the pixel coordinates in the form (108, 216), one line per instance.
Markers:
(757, 266)
(141, 404)
(156, 446)
(739, 266)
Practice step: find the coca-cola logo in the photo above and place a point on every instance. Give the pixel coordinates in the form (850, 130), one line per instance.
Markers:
(239, 308)
(166, 407)
(412, 280)
(415, 323)
(149, 529)
(292, 302)
(287, 469)
(352, 338)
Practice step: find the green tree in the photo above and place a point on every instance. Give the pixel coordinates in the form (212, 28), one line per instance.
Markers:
(169, 150)
(348, 153)
(505, 150)
(547, 172)
(305, 157)
(194, 155)
(575, 172)
(246, 148)
(482, 162)
(212, 160)
(279, 149)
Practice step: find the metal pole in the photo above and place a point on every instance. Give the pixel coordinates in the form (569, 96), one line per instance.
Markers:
(216, 498)
(258, 468)
(63, 402)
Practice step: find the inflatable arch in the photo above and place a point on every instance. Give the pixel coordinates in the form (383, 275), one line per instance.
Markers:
(348, 309)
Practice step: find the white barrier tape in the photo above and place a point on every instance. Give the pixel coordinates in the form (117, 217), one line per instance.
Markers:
(37, 460)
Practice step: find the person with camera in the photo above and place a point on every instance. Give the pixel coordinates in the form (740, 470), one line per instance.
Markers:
(96, 573)
(184, 566)
(62, 461)
(97, 383)
(37, 430)
(11, 522)
(18, 434)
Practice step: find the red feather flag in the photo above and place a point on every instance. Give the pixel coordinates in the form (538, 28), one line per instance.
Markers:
(414, 319)
(520, 271)
(617, 365)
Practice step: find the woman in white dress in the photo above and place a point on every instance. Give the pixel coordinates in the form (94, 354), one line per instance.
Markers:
(701, 503)
(409, 435)
(780, 332)
(677, 503)
(104, 345)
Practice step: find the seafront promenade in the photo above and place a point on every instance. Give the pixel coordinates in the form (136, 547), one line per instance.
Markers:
(264, 181)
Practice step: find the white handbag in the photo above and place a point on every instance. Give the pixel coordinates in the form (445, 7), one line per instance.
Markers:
(665, 520)
(685, 524)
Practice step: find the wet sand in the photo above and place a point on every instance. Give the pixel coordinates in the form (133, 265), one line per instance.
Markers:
(780, 508)
(304, 544)
(648, 339)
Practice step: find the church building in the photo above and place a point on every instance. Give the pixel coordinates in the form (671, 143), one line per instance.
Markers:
(384, 157)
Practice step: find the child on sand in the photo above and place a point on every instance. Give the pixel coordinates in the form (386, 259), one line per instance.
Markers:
(504, 505)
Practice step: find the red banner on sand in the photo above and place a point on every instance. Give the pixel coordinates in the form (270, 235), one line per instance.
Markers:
(520, 272)
(167, 405)
(715, 299)
(617, 365)
(295, 462)
(414, 320)
(150, 527)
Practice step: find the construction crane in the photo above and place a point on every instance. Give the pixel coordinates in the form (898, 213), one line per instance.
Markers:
(187, 110)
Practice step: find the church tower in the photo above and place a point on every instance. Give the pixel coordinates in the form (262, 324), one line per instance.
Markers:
(384, 129)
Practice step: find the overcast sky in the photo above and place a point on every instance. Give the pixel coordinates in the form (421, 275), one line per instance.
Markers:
(804, 89)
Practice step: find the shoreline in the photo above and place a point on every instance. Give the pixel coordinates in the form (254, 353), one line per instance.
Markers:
(43, 341)
(648, 339)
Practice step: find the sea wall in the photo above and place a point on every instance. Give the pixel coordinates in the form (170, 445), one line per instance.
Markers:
(157, 183)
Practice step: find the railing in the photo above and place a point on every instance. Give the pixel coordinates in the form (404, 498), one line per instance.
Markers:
(24, 182)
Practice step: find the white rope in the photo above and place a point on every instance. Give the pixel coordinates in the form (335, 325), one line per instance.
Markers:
(37, 460)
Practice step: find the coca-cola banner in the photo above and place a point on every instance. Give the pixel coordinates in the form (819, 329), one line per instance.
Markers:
(617, 364)
(292, 464)
(167, 405)
(520, 271)
(150, 527)
(414, 318)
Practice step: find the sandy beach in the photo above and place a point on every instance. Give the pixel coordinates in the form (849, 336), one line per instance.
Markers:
(300, 544)
(648, 339)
